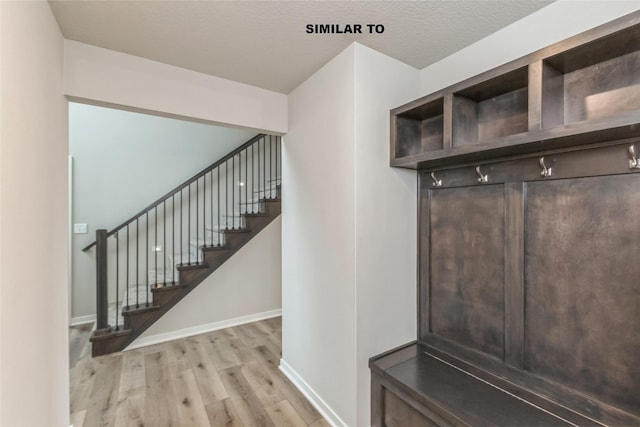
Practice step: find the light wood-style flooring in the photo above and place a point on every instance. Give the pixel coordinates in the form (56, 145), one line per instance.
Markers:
(223, 378)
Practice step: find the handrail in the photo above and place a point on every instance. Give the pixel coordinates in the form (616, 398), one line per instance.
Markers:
(181, 187)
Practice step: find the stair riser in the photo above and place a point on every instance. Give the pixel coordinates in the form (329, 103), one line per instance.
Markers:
(111, 343)
(272, 207)
(215, 258)
(136, 319)
(258, 222)
(191, 277)
(237, 240)
(165, 295)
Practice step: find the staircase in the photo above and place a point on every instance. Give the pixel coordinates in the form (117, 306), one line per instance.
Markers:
(147, 264)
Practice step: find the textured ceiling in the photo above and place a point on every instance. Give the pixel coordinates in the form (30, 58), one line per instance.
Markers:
(264, 43)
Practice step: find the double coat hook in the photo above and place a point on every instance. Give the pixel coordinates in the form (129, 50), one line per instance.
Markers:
(482, 178)
(436, 182)
(546, 172)
(633, 160)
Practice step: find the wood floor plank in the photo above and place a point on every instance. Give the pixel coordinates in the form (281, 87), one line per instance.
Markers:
(261, 383)
(223, 414)
(78, 337)
(81, 379)
(158, 406)
(133, 371)
(220, 351)
(129, 412)
(275, 323)
(155, 371)
(255, 336)
(250, 334)
(249, 408)
(188, 402)
(240, 351)
(283, 415)
(209, 382)
(224, 378)
(288, 390)
(104, 393)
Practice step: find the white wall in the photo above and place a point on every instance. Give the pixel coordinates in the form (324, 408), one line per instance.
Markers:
(247, 286)
(108, 77)
(551, 24)
(386, 223)
(123, 161)
(33, 219)
(318, 235)
(349, 230)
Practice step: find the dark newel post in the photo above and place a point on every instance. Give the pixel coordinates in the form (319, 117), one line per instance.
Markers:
(101, 280)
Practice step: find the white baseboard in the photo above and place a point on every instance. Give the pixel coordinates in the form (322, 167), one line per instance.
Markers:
(321, 406)
(202, 329)
(82, 320)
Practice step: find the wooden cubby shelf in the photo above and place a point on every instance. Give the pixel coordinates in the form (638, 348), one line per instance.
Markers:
(583, 90)
(420, 129)
(491, 109)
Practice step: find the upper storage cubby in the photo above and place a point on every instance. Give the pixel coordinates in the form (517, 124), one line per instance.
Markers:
(594, 80)
(419, 130)
(583, 90)
(491, 109)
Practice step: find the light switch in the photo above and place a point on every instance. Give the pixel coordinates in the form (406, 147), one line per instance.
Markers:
(79, 228)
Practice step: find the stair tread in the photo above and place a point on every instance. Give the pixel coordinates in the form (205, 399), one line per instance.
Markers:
(142, 309)
(237, 230)
(192, 266)
(216, 248)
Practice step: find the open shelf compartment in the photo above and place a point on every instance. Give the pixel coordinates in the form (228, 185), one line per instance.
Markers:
(492, 109)
(594, 80)
(420, 129)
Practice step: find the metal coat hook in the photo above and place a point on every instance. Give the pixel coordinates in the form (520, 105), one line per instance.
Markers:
(546, 172)
(481, 176)
(633, 160)
(436, 182)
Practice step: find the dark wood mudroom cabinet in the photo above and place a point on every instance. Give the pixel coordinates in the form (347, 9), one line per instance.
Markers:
(529, 243)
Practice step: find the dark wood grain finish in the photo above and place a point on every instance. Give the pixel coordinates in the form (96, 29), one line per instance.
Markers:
(602, 89)
(408, 137)
(535, 95)
(465, 122)
(431, 134)
(514, 274)
(503, 115)
(585, 78)
(622, 38)
(419, 129)
(582, 289)
(447, 119)
(552, 96)
(473, 402)
(500, 84)
(578, 134)
(397, 413)
(467, 266)
(424, 249)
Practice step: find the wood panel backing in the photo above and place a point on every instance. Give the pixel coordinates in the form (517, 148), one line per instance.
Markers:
(582, 285)
(467, 266)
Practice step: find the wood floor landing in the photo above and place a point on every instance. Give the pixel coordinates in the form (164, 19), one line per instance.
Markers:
(223, 378)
